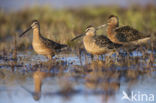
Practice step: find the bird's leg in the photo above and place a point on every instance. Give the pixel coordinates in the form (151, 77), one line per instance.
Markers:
(49, 57)
(86, 58)
(128, 58)
(143, 51)
(97, 57)
(109, 57)
(101, 56)
(116, 56)
(92, 57)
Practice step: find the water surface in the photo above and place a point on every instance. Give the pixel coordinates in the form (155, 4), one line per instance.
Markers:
(72, 78)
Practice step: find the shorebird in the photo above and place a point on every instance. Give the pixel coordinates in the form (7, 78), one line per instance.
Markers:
(42, 45)
(96, 44)
(124, 34)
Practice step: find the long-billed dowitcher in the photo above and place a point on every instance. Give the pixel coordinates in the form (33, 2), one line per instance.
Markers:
(97, 44)
(124, 34)
(43, 45)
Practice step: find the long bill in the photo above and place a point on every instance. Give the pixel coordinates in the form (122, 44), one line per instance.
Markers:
(77, 37)
(25, 31)
(101, 26)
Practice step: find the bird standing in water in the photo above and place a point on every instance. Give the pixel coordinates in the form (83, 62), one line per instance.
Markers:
(42, 45)
(124, 34)
(97, 45)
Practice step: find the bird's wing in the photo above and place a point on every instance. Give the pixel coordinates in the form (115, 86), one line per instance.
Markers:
(127, 33)
(51, 44)
(103, 41)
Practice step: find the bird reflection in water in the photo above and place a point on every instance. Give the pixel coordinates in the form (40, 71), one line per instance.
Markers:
(38, 77)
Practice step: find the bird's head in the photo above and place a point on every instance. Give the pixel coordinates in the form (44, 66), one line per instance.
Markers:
(35, 24)
(113, 20)
(91, 30)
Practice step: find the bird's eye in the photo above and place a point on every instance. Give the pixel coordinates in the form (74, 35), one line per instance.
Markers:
(35, 22)
(87, 29)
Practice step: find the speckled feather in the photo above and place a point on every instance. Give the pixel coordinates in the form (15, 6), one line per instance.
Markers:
(103, 41)
(127, 33)
(51, 44)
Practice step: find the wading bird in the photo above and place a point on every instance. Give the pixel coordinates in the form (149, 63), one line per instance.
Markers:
(97, 45)
(124, 34)
(42, 45)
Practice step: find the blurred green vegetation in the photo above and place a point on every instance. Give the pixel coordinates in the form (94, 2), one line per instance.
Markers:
(61, 25)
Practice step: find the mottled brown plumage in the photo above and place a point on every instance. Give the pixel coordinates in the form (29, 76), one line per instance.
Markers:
(122, 34)
(42, 45)
(51, 44)
(97, 44)
(103, 41)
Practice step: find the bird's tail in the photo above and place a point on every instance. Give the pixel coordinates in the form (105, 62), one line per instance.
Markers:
(138, 42)
(146, 35)
(64, 48)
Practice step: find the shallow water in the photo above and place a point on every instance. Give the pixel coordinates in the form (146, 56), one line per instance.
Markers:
(75, 78)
